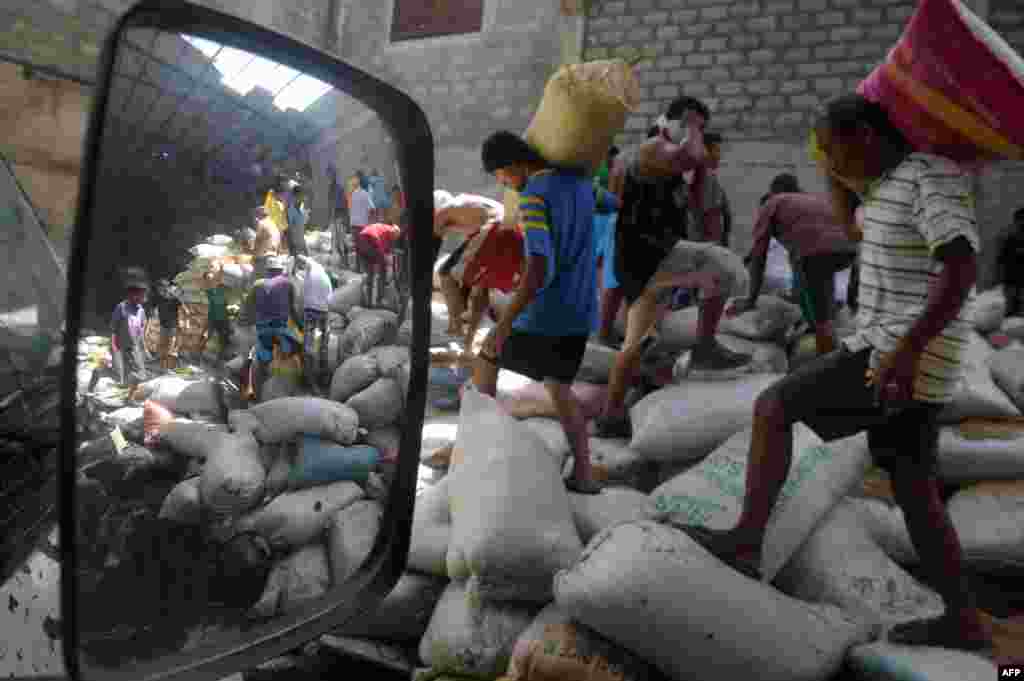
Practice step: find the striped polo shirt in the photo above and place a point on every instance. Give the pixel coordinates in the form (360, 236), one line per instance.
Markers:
(920, 205)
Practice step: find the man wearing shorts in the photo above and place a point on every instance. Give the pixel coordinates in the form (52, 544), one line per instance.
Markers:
(805, 224)
(543, 332)
(651, 260)
(374, 244)
(897, 372)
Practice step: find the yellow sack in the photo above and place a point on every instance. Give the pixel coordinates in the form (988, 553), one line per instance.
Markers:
(584, 107)
(511, 207)
(275, 209)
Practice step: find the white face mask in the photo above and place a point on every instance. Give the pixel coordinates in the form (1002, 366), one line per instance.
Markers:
(674, 129)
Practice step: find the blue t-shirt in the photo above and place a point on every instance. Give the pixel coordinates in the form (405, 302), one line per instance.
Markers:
(557, 213)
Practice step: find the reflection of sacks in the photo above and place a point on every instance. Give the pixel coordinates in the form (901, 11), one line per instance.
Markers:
(502, 536)
(347, 296)
(989, 310)
(978, 395)
(320, 462)
(183, 396)
(351, 535)
(840, 563)
(643, 577)
(769, 321)
(555, 647)
(233, 475)
(972, 452)
(929, 85)
(183, 503)
(299, 579)
(711, 493)
(296, 519)
(470, 638)
(191, 438)
(278, 386)
(354, 374)
(404, 614)
(283, 419)
(688, 421)
(378, 405)
(368, 329)
(1007, 367)
(386, 440)
(431, 530)
(584, 107)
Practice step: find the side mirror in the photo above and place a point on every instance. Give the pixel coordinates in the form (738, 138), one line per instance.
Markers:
(174, 527)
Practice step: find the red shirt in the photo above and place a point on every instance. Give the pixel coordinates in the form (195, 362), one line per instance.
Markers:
(498, 263)
(383, 236)
(803, 223)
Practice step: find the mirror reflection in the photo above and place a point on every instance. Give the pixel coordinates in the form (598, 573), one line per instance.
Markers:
(244, 367)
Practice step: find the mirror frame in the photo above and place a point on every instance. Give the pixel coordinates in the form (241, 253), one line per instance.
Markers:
(408, 125)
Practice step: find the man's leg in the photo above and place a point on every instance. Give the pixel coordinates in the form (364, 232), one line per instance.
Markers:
(485, 368)
(308, 338)
(479, 300)
(611, 301)
(570, 413)
(640, 319)
(325, 344)
(455, 301)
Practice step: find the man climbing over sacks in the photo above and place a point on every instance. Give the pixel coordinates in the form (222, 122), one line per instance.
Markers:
(270, 303)
(543, 332)
(894, 375)
(651, 259)
(805, 224)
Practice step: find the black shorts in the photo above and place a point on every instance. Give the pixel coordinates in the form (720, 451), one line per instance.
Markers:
(554, 358)
(819, 277)
(830, 397)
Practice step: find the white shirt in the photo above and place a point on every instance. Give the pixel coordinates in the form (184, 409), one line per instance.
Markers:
(922, 204)
(362, 204)
(316, 290)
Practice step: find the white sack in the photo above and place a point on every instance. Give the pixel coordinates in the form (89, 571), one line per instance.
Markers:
(593, 513)
(390, 359)
(183, 503)
(615, 463)
(551, 432)
(379, 405)
(404, 613)
(978, 396)
(296, 519)
(881, 661)
(687, 422)
(277, 387)
(964, 459)
(840, 563)
(472, 639)
(711, 493)
(511, 520)
(387, 440)
(887, 528)
(768, 357)
(431, 530)
(183, 396)
(295, 581)
(655, 591)
(597, 364)
(346, 296)
(1007, 367)
(989, 519)
(233, 476)
(366, 330)
(286, 418)
(678, 330)
(351, 534)
(772, 318)
(989, 310)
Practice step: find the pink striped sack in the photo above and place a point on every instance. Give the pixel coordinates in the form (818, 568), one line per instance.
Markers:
(953, 86)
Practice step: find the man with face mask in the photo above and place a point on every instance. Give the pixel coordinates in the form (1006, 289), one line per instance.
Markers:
(543, 332)
(651, 259)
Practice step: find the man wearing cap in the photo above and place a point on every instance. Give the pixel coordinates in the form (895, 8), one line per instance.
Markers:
(270, 303)
(127, 329)
(167, 305)
(316, 293)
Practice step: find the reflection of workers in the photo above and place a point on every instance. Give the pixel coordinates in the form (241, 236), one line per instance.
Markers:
(217, 323)
(374, 245)
(805, 224)
(901, 367)
(543, 332)
(266, 244)
(296, 216)
(270, 304)
(168, 303)
(316, 293)
(127, 329)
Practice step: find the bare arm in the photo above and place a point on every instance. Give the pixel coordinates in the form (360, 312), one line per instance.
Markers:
(948, 292)
(843, 205)
(531, 282)
(759, 251)
(661, 156)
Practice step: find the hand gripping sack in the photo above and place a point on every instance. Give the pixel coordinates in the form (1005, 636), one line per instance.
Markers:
(233, 476)
(840, 563)
(296, 519)
(711, 493)
(470, 638)
(511, 520)
(653, 590)
(583, 108)
(288, 417)
(686, 422)
(931, 89)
